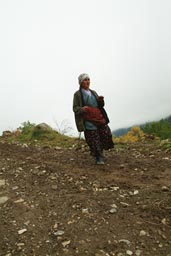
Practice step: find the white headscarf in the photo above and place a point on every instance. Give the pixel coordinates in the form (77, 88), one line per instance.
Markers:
(82, 77)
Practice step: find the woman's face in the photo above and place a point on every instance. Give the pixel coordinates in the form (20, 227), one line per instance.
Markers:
(85, 84)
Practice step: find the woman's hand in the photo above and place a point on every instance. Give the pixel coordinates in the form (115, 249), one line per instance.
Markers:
(85, 108)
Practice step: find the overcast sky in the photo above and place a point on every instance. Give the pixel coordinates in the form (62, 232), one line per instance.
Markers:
(124, 45)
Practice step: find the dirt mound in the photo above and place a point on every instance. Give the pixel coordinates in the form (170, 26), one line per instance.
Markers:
(56, 201)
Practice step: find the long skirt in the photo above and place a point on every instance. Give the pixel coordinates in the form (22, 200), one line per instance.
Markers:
(99, 139)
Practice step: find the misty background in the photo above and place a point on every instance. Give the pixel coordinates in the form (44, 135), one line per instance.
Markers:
(125, 47)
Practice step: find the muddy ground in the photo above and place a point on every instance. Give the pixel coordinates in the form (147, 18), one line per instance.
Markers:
(56, 201)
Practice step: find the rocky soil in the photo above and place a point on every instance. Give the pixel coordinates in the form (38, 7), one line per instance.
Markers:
(56, 201)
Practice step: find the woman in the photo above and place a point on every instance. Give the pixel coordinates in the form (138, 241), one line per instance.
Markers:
(91, 118)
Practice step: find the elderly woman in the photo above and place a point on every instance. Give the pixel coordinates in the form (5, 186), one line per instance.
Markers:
(91, 117)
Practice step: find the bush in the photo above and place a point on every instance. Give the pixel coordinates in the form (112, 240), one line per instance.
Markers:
(161, 129)
(134, 135)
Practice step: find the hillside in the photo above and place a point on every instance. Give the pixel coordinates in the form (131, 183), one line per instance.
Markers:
(56, 201)
(122, 131)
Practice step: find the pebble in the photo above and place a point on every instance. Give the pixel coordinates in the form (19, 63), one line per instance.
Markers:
(138, 252)
(125, 241)
(2, 183)
(65, 243)
(59, 233)
(20, 232)
(124, 204)
(54, 187)
(85, 210)
(143, 233)
(128, 252)
(165, 189)
(101, 253)
(113, 205)
(3, 199)
(20, 244)
(19, 201)
(113, 210)
(164, 222)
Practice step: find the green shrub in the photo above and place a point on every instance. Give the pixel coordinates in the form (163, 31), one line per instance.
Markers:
(161, 129)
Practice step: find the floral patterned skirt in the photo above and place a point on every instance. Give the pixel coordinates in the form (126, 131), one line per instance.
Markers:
(99, 139)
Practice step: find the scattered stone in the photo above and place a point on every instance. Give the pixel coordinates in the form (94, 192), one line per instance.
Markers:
(27, 223)
(20, 232)
(15, 188)
(6, 133)
(2, 183)
(164, 222)
(128, 252)
(85, 210)
(165, 189)
(3, 199)
(125, 241)
(136, 192)
(113, 205)
(59, 233)
(138, 252)
(55, 226)
(101, 253)
(20, 244)
(122, 166)
(65, 243)
(113, 210)
(143, 233)
(57, 148)
(54, 187)
(115, 188)
(19, 201)
(124, 204)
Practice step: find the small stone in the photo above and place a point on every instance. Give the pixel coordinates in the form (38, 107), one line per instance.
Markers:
(113, 210)
(15, 188)
(3, 199)
(85, 210)
(143, 233)
(20, 232)
(122, 165)
(2, 183)
(124, 204)
(59, 233)
(125, 241)
(54, 187)
(138, 252)
(65, 243)
(165, 189)
(20, 244)
(128, 252)
(55, 226)
(164, 222)
(19, 201)
(113, 205)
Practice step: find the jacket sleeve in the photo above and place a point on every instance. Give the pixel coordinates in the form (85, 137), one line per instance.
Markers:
(101, 103)
(77, 104)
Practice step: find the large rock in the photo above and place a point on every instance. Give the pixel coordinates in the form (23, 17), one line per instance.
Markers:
(7, 133)
(43, 127)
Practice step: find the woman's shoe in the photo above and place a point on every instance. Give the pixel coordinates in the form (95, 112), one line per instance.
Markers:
(99, 160)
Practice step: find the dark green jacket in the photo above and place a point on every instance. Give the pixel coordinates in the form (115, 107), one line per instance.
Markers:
(77, 108)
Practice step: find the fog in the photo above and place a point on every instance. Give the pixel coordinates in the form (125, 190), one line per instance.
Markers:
(125, 47)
